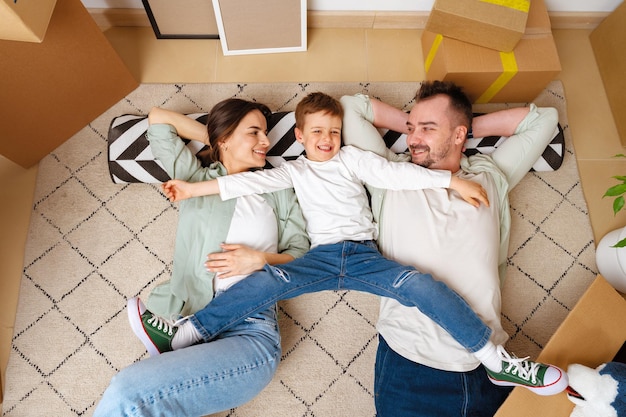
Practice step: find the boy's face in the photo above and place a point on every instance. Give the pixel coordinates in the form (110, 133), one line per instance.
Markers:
(320, 136)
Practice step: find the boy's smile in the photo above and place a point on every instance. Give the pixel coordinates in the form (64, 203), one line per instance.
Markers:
(320, 136)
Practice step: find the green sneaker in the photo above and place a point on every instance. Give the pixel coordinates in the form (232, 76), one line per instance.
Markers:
(540, 378)
(155, 332)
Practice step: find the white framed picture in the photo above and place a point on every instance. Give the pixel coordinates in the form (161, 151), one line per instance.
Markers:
(261, 26)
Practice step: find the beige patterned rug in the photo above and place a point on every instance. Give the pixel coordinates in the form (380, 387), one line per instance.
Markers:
(92, 244)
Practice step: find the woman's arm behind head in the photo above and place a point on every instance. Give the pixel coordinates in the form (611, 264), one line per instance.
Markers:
(186, 127)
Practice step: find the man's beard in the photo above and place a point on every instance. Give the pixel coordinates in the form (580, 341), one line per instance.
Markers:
(432, 158)
(426, 163)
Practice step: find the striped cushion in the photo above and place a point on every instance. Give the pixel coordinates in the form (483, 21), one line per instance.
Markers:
(131, 160)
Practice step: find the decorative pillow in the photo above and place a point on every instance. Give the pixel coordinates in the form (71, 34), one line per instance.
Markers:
(130, 157)
(131, 160)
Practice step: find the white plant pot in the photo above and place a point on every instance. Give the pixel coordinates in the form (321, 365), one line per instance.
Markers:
(611, 262)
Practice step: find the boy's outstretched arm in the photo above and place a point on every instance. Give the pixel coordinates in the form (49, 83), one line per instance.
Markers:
(177, 190)
(471, 191)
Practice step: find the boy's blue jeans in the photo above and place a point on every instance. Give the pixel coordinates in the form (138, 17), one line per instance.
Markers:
(346, 265)
(199, 380)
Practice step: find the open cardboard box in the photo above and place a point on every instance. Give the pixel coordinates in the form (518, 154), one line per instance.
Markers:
(55, 88)
(25, 20)
(607, 41)
(591, 334)
(490, 76)
(495, 25)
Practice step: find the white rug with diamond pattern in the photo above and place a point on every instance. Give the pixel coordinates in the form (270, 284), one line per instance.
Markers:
(92, 244)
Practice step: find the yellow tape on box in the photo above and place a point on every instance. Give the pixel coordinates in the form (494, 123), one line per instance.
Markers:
(521, 5)
(489, 76)
(509, 69)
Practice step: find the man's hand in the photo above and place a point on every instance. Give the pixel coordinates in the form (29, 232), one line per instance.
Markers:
(472, 192)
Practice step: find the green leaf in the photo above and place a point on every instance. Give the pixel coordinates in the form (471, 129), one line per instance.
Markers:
(615, 190)
(620, 244)
(618, 204)
(619, 155)
(620, 178)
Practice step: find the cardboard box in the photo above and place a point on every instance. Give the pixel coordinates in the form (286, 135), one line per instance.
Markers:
(607, 41)
(491, 24)
(591, 334)
(488, 75)
(53, 89)
(25, 20)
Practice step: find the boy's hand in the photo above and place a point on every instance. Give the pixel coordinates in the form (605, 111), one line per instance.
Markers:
(472, 192)
(177, 190)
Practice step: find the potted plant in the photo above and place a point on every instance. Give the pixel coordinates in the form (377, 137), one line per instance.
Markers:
(610, 259)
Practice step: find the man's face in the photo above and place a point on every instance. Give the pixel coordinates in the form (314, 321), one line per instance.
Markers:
(431, 138)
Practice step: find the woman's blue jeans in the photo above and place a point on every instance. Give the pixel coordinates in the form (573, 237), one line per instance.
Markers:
(199, 380)
(344, 266)
(403, 388)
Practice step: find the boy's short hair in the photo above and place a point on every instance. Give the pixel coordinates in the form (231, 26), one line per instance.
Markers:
(316, 102)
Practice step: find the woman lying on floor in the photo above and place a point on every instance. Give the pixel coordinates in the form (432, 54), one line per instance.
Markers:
(233, 369)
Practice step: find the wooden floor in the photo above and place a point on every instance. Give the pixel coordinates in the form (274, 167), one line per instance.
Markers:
(332, 55)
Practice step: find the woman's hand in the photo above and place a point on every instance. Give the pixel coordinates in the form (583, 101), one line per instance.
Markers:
(470, 191)
(235, 260)
(177, 190)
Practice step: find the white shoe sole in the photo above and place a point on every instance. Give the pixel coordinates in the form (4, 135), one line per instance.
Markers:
(134, 318)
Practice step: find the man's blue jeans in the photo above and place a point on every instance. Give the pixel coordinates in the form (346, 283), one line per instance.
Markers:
(199, 380)
(344, 266)
(403, 388)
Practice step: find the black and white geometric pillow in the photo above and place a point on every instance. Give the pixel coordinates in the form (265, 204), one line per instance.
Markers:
(129, 153)
(131, 160)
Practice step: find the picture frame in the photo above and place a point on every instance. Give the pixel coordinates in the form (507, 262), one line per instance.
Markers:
(182, 19)
(261, 26)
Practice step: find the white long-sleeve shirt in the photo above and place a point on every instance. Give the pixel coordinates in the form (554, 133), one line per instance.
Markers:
(332, 194)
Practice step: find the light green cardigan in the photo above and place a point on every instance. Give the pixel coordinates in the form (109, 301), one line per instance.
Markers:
(203, 225)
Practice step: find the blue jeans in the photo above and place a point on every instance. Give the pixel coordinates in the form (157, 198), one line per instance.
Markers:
(199, 380)
(344, 266)
(403, 388)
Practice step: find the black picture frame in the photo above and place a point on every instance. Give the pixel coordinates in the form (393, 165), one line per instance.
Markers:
(170, 20)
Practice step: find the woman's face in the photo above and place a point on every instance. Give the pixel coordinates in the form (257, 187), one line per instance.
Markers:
(247, 146)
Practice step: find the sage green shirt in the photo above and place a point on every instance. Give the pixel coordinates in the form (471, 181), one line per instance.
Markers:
(203, 224)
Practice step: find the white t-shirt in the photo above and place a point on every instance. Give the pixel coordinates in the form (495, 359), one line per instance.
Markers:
(331, 194)
(253, 225)
(448, 247)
